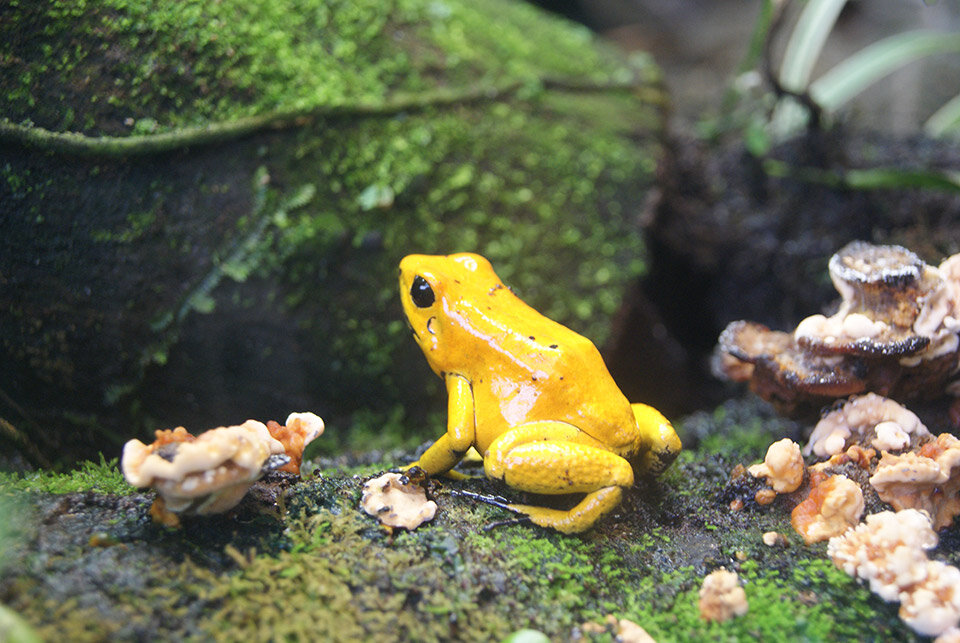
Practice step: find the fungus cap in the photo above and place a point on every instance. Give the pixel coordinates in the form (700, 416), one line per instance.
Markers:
(208, 473)
(300, 430)
(397, 502)
(932, 606)
(928, 479)
(887, 550)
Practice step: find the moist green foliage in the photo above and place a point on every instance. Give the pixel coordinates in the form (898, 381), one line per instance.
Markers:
(102, 477)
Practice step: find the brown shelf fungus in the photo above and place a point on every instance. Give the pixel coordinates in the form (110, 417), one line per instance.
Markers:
(895, 333)
(205, 474)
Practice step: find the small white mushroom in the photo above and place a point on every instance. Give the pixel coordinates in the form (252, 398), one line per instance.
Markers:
(782, 466)
(721, 596)
(396, 504)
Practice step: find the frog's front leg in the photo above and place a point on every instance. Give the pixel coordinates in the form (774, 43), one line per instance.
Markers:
(661, 445)
(448, 450)
(558, 458)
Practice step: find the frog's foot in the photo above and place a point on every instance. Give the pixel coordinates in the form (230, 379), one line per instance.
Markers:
(661, 445)
(588, 511)
(556, 458)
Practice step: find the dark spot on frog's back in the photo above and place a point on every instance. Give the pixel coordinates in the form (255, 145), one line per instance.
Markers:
(553, 346)
(493, 291)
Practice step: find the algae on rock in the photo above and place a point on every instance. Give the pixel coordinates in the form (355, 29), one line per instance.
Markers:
(149, 285)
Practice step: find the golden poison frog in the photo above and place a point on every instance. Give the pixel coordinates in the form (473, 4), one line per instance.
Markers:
(532, 396)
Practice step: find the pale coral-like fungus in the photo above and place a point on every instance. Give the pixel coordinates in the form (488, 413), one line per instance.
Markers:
(300, 430)
(721, 596)
(869, 420)
(888, 550)
(928, 479)
(834, 505)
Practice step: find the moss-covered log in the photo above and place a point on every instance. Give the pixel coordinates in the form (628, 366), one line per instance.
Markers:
(202, 205)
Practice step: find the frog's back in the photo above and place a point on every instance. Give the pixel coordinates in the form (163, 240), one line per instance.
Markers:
(546, 371)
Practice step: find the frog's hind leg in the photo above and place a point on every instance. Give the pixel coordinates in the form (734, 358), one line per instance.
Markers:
(557, 458)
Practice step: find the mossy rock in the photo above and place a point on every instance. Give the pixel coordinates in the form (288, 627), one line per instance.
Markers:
(203, 205)
(81, 558)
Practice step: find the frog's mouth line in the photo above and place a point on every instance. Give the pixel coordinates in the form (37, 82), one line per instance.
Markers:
(412, 329)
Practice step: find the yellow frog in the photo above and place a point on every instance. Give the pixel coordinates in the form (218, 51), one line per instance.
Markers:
(532, 396)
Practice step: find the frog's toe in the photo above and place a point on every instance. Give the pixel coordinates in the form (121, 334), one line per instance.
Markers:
(584, 515)
(456, 475)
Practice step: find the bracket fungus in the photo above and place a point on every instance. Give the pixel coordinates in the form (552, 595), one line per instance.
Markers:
(928, 479)
(895, 332)
(205, 474)
(396, 501)
(888, 550)
(869, 420)
(834, 505)
(721, 596)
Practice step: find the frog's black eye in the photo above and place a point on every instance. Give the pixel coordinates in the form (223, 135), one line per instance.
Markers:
(421, 293)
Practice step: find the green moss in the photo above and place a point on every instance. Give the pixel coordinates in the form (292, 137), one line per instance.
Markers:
(329, 571)
(404, 151)
(102, 477)
(146, 67)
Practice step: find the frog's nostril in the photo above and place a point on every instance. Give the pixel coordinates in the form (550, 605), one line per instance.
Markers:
(430, 328)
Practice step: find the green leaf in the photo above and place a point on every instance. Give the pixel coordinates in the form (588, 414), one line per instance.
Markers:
(944, 120)
(875, 61)
(891, 178)
(806, 42)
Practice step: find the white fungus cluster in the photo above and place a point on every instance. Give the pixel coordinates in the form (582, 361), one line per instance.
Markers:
(396, 502)
(866, 420)
(721, 596)
(888, 550)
